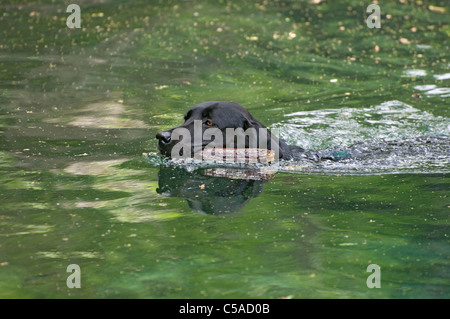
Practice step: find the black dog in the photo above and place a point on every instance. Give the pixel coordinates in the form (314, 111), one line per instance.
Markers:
(223, 115)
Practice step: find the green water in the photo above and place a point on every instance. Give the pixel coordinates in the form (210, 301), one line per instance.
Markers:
(79, 107)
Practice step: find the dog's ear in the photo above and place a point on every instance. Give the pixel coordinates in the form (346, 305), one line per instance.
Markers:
(251, 123)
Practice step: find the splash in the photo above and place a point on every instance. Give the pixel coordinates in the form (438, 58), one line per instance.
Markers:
(392, 137)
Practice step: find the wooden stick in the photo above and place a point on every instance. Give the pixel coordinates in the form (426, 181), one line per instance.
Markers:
(247, 174)
(238, 155)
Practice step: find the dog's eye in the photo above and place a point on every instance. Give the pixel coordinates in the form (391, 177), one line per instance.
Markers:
(209, 123)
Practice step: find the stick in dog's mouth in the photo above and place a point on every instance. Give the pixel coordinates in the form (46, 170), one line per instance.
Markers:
(238, 155)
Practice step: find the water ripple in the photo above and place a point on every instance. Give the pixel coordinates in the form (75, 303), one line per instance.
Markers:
(389, 138)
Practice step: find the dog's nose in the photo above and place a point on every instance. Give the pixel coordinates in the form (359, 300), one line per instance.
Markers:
(164, 137)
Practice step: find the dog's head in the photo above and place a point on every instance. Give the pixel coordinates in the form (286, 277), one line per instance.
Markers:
(218, 124)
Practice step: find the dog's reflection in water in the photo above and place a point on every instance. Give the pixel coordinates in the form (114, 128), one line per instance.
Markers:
(214, 191)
